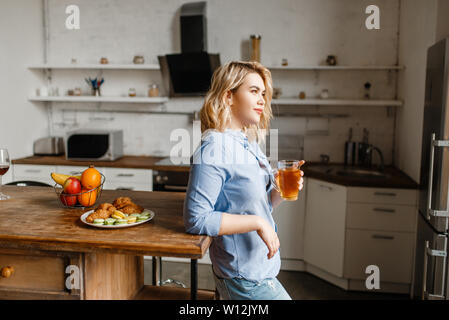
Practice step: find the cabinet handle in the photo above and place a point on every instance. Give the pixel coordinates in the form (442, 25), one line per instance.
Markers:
(390, 194)
(125, 175)
(384, 210)
(33, 170)
(326, 187)
(379, 236)
(123, 188)
(7, 271)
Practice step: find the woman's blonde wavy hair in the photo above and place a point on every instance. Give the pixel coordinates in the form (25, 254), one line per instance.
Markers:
(216, 113)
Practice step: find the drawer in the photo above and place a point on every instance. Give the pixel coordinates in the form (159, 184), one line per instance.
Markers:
(392, 252)
(71, 170)
(108, 185)
(382, 195)
(33, 172)
(386, 217)
(127, 175)
(33, 272)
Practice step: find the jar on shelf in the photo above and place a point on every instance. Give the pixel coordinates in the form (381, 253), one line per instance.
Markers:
(255, 47)
(132, 92)
(153, 90)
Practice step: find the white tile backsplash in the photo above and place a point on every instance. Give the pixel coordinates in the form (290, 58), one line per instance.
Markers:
(119, 30)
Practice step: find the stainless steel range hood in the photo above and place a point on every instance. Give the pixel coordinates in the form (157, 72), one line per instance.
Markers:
(189, 73)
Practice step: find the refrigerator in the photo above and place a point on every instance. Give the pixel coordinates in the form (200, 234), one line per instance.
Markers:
(430, 281)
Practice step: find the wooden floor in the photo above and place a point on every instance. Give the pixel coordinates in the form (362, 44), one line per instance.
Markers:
(300, 285)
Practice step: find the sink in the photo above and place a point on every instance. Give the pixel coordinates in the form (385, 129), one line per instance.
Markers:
(339, 170)
(362, 173)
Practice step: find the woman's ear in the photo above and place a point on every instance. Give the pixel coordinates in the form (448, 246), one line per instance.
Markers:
(229, 98)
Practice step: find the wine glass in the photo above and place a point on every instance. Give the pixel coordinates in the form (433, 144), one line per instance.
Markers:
(4, 167)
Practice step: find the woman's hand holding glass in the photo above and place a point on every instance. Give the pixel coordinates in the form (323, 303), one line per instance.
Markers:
(288, 179)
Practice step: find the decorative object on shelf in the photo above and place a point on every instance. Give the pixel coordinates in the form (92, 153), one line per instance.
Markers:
(255, 47)
(104, 60)
(138, 60)
(70, 92)
(53, 91)
(367, 86)
(331, 60)
(132, 92)
(302, 95)
(43, 91)
(284, 62)
(153, 91)
(277, 92)
(73, 61)
(324, 94)
(77, 92)
(95, 85)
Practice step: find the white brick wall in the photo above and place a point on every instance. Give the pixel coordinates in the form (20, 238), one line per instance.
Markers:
(304, 32)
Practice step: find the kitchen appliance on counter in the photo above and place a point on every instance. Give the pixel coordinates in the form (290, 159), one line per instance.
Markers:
(431, 264)
(94, 145)
(48, 146)
(190, 72)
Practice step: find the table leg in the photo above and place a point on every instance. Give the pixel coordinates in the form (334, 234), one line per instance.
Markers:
(193, 278)
(157, 271)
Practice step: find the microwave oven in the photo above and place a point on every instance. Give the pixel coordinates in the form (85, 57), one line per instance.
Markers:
(94, 145)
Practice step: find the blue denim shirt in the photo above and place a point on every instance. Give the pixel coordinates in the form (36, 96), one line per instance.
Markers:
(231, 175)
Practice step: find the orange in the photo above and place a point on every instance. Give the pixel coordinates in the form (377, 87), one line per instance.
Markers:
(90, 178)
(87, 198)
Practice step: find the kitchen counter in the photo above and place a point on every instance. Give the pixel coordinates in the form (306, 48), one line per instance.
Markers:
(34, 223)
(138, 162)
(395, 177)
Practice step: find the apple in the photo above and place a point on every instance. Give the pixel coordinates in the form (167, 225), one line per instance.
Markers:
(68, 200)
(72, 185)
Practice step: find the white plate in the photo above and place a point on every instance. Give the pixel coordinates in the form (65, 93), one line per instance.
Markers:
(86, 214)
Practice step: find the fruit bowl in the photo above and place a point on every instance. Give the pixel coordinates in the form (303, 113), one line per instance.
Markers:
(84, 199)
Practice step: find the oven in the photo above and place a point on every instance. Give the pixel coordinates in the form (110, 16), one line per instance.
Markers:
(170, 181)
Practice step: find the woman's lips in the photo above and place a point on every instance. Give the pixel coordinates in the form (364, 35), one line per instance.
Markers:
(258, 110)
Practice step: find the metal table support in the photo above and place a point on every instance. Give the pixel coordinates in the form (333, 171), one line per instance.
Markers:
(193, 278)
(157, 275)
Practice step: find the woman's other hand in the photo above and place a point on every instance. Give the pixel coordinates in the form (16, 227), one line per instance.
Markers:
(269, 236)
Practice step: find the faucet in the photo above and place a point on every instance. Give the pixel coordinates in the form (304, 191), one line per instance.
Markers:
(369, 151)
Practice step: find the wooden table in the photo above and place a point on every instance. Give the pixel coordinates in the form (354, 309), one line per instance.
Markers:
(45, 242)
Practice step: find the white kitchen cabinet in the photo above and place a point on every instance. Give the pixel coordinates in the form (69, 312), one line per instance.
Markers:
(324, 233)
(73, 170)
(289, 218)
(392, 252)
(128, 179)
(40, 173)
(116, 178)
(350, 228)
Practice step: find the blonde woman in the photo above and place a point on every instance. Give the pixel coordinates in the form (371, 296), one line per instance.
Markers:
(229, 196)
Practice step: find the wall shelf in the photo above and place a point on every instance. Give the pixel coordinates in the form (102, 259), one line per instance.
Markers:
(99, 99)
(337, 102)
(96, 66)
(292, 68)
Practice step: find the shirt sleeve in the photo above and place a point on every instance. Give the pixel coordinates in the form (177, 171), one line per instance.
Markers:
(205, 184)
